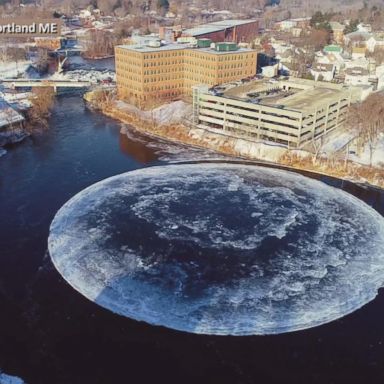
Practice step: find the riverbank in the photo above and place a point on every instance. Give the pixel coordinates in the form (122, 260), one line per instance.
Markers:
(170, 123)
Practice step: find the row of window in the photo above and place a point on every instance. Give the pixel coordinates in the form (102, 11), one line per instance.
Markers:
(163, 54)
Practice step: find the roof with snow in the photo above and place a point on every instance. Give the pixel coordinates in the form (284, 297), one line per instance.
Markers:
(8, 115)
(216, 26)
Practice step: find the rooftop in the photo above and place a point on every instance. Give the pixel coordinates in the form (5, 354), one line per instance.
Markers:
(294, 94)
(179, 46)
(215, 26)
(333, 48)
(146, 48)
(8, 115)
(336, 26)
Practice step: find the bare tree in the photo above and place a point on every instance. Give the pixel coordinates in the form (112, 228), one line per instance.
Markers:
(366, 120)
(100, 43)
(42, 102)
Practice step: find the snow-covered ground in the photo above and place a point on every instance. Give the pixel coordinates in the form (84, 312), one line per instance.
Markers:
(20, 100)
(6, 379)
(85, 75)
(338, 140)
(11, 69)
(362, 157)
(171, 113)
(8, 115)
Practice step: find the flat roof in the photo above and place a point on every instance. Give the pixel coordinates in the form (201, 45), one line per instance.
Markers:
(304, 95)
(214, 52)
(178, 46)
(146, 48)
(310, 98)
(216, 26)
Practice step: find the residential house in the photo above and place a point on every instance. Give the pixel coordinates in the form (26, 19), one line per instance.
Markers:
(358, 52)
(364, 28)
(323, 72)
(357, 76)
(359, 39)
(337, 31)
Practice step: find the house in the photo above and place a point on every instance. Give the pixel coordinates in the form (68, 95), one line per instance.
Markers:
(286, 25)
(361, 39)
(270, 70)
(288, 69)
(362, 62)
(323, 72)
(337, 31)
(358, 52)
(296, 32)
(50, 43)
(357, 76)
(85, 14)
(10, 119)
(379, 40)
(334, 58)
(364, 28)
(333, 48)
(170, 15)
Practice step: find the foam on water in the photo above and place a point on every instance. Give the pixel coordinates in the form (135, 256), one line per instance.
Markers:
(220, 248)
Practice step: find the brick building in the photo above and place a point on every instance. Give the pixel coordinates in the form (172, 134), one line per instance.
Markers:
(169, 71)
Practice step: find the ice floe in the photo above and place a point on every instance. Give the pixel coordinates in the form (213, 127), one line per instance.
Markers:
(226, 249)
(7, 379)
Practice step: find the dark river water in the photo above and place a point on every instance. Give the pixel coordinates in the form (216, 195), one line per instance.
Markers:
(51, 334)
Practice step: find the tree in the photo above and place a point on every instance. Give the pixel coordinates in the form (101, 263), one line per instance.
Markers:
(366, 120)
(321, 20)
(42, 102)
(351, 27)
(100, 43)
(318, 38)
(163, 5)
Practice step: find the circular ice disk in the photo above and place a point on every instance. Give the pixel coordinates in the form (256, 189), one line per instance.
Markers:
(225, 249)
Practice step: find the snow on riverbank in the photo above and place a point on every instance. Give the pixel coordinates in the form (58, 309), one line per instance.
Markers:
(171, 113)
(6, 379)
(12, 70)
(338, 141)
(362, 157)
(85, 75)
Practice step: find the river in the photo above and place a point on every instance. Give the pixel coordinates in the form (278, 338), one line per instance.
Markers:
(50, 334)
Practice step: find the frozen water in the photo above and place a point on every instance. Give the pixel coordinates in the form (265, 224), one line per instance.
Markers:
(7, 379)
(220, 248)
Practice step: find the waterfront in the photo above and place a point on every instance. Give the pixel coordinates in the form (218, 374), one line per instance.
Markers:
(51, 334)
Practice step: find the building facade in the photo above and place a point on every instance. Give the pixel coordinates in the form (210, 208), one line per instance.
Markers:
(169, 71)
(304, 112)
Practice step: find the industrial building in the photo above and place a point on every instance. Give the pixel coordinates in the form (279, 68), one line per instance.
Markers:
(226, 30)
(168, 71)
(289, 112)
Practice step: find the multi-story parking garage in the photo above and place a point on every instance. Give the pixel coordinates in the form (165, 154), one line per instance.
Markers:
(289, 112)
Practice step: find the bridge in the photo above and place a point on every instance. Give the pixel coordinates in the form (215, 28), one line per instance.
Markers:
(43, 83)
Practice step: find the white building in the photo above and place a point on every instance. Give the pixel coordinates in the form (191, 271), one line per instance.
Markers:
(357, 76)
(270, 70)
(364, 28)
(323, 72)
